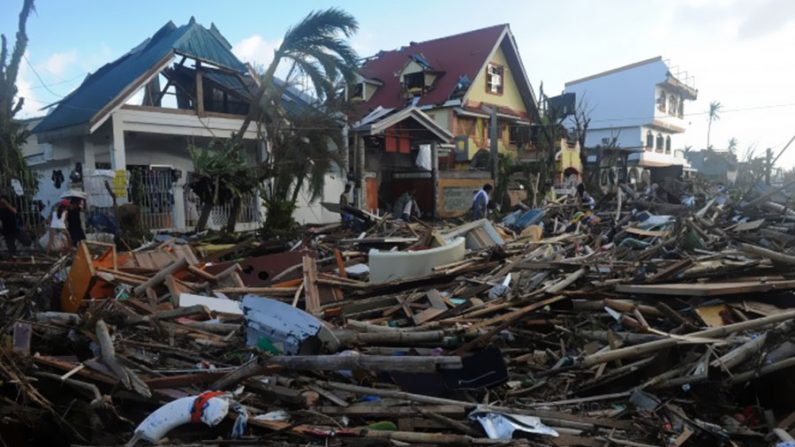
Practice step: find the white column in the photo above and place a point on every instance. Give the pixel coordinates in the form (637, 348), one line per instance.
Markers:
(179, 203)
(118, 156)
(89, 156)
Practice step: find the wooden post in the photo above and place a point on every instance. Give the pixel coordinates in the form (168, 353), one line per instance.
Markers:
(179, 264)
(435, 178)
(199, 90)
(658, 345)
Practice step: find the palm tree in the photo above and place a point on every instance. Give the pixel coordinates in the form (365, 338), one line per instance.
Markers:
(317, 51)
(714, 115)
(732, 145)
(222, 175)
(13, 134)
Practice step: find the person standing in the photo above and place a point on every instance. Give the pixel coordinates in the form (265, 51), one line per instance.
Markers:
(74, 221)
(8, 219)
(58, 226)
(347, 218)
(480, 202)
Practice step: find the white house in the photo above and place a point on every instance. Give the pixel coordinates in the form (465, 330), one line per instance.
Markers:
(640, 108)
(133, 121)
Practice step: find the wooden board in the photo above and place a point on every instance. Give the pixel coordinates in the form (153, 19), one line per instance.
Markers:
(706, 289)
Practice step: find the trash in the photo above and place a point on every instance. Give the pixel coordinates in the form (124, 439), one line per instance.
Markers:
(290, 330)
(209, 408)
(214, 304)
(502, 426)
(389, 266)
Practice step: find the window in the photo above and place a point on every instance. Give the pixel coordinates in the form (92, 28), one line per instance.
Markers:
(357, 91)
(681, 113)
(494, 79)
(660, 142)
(668, 144)
(414, 82)
(672, 105)
(649, 140)
(661, 102)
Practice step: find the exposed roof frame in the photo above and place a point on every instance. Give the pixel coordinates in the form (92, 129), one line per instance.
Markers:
(421, 117)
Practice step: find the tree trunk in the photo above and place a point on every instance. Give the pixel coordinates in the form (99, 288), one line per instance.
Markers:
(232, 219)
(207, 208)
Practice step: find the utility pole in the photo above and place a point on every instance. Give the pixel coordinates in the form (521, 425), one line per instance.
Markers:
(768, 165)
(493, 144)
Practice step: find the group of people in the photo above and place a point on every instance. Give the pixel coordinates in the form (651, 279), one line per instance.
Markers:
(65, 221)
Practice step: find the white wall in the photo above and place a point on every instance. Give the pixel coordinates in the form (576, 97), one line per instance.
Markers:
(313, 212)
(624, 98)
(627, 137)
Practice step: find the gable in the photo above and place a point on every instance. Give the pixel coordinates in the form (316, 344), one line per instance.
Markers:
(510, 97)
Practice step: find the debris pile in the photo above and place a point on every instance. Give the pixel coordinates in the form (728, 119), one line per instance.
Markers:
(638, 323)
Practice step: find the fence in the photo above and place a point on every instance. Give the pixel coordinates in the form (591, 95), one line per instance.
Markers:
(29, 210)
(249, 210)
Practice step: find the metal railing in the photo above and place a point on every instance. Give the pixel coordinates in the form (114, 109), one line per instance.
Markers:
(249, 210)
(29, 210)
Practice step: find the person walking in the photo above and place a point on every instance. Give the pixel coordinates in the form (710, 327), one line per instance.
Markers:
(8, 219)
(74, 221)
(480, 202)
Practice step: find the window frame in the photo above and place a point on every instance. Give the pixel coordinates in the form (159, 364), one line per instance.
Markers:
(489, 78)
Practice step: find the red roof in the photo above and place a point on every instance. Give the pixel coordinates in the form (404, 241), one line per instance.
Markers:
(453, 56)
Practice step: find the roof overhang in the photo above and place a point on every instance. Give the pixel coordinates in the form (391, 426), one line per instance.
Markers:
(680, 87)
(380, 126)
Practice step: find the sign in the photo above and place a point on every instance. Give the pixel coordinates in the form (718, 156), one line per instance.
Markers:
(457, 198)
(120, 184)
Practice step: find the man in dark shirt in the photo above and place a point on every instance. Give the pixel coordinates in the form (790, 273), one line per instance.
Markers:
(74, 223)
(8, 219)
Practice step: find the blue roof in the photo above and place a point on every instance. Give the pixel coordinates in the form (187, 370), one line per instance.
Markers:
(100, 88)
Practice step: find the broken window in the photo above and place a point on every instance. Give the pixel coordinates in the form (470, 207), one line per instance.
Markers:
(414, 83)
(357, 91)
(681, 112)
(649, 140)
(660, 142)
(661, 102)
(672, 105)
(494, 79)
(668, 144)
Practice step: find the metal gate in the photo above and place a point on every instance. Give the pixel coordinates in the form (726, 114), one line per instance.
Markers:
(152, 189)
(29, 210)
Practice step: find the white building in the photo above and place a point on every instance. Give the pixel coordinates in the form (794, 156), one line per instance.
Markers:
(640, 108)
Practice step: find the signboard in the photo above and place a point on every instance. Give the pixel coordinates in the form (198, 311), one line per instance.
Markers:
(457, 198)
(120, 184)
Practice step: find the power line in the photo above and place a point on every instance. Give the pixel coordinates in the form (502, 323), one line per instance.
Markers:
(41, 81)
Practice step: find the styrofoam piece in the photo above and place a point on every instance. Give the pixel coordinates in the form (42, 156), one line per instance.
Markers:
(387, 266)
(214, 304)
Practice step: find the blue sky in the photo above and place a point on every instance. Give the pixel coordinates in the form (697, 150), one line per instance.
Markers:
(738, 51)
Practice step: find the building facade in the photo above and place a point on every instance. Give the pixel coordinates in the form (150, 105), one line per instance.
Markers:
(639, 109)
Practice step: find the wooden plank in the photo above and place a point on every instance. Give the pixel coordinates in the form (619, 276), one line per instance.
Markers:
(312, 294)
(706, 289)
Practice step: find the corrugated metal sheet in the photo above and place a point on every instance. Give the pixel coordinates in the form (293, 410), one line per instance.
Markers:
(100, 88)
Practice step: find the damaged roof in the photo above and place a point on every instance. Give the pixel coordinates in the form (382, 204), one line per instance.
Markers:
(115, 80)
(454, 58)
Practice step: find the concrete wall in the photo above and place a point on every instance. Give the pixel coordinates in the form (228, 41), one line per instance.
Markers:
(624, 98)
(627, 137)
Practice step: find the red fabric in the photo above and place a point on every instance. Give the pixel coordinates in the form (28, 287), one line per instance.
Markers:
(453, 56)
(200, 403)
(390, 142)
(404, 144)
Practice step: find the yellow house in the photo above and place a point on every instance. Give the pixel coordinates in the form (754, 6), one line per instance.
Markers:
(457, 82)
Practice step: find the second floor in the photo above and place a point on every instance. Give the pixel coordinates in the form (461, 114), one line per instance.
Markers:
(647, 93)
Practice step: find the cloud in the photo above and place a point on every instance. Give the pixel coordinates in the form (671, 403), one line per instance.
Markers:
(58, 63)
(256, 50)
(766, 17)
(25, 90)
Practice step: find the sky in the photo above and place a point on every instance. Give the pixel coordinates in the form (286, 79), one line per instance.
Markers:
(739, 52)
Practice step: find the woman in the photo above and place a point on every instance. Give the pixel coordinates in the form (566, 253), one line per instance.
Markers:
(58, 226)
(74, 222)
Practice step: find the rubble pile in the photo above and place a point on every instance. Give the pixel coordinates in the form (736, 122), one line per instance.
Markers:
(639, 323)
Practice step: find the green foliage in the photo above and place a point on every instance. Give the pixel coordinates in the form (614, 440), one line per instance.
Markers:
(13, 134)
(222, 175)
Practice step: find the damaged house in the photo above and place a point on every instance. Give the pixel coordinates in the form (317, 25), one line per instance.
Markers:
(423, 119)
(131, 123)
